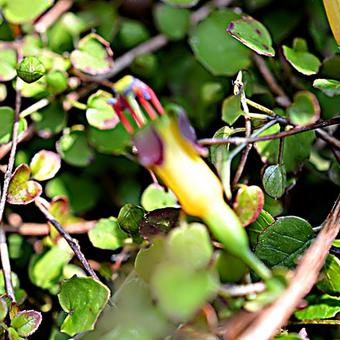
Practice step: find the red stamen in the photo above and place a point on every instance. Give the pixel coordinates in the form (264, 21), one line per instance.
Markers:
(135, 117)
(156, 102)
(148, 108)
(128, 127)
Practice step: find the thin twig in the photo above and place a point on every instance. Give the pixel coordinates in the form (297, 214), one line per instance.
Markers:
(299, 129)
(275, 316)
(241, 290)
(332, 141)
(35, 107)
(41, 204)
(50, 17)
(316, 322)
(282, 98)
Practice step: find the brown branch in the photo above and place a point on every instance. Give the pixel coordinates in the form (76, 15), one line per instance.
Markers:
(276, 316)
(50, 17)
(283, 134)
(332, 141)
(41, 205)
(282, 98)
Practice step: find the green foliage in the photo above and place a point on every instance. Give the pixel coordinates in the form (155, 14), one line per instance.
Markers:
(274, 180)
(31, 69)
(155, 197)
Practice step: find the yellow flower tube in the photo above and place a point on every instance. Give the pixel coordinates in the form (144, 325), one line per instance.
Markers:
(332, 8)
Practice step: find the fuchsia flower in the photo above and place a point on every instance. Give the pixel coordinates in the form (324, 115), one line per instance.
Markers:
(166, 144)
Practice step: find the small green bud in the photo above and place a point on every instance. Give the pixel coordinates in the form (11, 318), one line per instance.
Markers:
(130, 217)
(274, 180)
(30, 69)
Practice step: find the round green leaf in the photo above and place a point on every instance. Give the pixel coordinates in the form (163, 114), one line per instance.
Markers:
(26, 322)
(132, 33)
(31, 69)
(83, 298)
(73, 148)
(248, 203)
(252, 34)
(130, 217)
(6, 124)
(44, 165)
(93, 55)
(8, 63)
(219, 53)
(305, 109)
(274, 180)
(18, 11)
(107, 234)
(329, 87)
(302, 61)
(155, 197)
(230, 268)
(173, 22)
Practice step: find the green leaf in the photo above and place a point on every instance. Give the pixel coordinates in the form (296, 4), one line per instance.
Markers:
(73, 148)
(273, 206)
(254, 230)
(181, 3)
(181, 292)
(189, 246)
(231, 109)
(3, 308)
(30, 69)
(303, 61)
(83, 298)
(18, 11)
(107, 234)
(13, 335)
(44, 165)
(275, 180)
(329, 280)
(219, 53)
(329, 87)
(6, 124)
(93, 55)
(132, 33)
(8, 62)
(99, 113)
(284, 241)
(45, 269)
(305, 109)
(21, 190)
(320, 307)
(130, 218)
(248, 203)
(50, 120)
(230, 268)
(155, 197)
(26, 322)
(57, 82)
(296, 150)
(173, 22)
(148, 259)
(252, 34)
(20, 294)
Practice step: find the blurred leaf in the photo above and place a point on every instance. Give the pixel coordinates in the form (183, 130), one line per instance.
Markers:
(217, 51)
(231, 109)
(275, 180)
(30, 69)
(248, 203)
(19, 293)
(180, 292)
(18, 11)
(93, 55)
(189, 246)
(83, 298)
(3, 309)
(296, 150)
(26, 322)
(254, 230)
(284, 241)
(329, 281)
(171, 21)
(3, 92)
(145, 65)
(13, 335)
(230, 268)
(6, 124)
(273, 206)
(301, 59)
(44, 165)
(107, 234)
(252, 34)
(45, 269)
(212, 92)
(21, 190)
(56, 82)
(73, 148)
(99, 113)
(320, 307)
(334, 173)
(181, 3)
(305, 109)
(329, 87)
(155, 197)
(8, 62)
(132, 33)
(148, 259)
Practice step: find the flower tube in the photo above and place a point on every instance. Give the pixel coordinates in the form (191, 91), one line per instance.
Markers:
(167, 147)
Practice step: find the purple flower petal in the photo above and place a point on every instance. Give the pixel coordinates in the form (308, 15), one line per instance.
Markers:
(149, 147)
